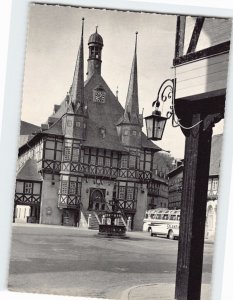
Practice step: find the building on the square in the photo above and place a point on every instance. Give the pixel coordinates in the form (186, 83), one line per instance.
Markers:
(158, 189)
(213, 186)
(91, 155)
(175, 178)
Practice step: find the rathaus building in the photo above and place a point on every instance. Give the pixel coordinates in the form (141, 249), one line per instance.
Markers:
(91, 155)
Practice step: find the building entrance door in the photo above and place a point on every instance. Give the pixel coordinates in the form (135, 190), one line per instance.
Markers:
(70, 217)
(97, 199)
(26, 213)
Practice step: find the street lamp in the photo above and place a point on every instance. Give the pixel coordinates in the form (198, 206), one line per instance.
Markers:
(155, 123)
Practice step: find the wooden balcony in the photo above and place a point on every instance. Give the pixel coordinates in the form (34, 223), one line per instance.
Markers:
(69, 201)
(51, 166)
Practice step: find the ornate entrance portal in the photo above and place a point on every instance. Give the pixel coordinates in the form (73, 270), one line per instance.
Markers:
(97, 199)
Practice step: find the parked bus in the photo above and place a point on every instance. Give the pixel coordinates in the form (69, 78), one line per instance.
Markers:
(162, 221)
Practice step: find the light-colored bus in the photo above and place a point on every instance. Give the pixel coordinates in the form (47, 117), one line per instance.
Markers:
(162, 221)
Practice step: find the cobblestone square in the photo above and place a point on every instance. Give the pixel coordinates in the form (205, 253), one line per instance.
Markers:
(70, 261)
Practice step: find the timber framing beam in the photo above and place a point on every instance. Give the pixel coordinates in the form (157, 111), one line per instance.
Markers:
(180, 34)
(195, 35)
(211, 51)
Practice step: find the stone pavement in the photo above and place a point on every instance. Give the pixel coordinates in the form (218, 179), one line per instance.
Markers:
(159, 291)
(63, 273)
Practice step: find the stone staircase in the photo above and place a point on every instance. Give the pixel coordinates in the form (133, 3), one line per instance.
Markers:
(94, 220)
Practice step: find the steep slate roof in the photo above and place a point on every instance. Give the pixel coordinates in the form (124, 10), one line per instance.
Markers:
(176, 171)
(149, 144)
(56, 128)
(29, 171)
(215, 157)
(28, 128)
(101, 115)
(26, 131)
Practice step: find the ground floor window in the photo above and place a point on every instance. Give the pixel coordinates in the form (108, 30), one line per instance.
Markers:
(127, 194)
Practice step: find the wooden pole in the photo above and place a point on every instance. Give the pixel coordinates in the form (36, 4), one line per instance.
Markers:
(193, 211)
(180, 35)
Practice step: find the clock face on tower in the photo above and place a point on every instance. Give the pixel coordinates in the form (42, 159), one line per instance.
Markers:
(99, 95)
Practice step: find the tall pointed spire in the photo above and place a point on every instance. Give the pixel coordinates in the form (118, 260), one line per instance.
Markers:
(131, 113)
(77, 89)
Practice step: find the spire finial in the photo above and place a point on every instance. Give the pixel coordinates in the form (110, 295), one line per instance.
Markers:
(96, 28)
(67, 98)
(117, 92)
(136, 40)
(82, 25)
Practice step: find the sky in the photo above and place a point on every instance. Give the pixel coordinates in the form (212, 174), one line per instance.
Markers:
(51, 50)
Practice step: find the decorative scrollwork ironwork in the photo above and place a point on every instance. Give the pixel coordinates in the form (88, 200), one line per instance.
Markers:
(167, 92)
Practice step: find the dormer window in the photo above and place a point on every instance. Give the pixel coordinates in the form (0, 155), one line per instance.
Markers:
(99, 95)
(69, 123)
(102, 132)
(28, 187)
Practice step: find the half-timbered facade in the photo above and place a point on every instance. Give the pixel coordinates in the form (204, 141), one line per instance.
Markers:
(175, 180)
(28, 193)
(92, 155)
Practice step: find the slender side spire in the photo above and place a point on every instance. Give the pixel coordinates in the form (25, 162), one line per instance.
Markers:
(117, 92)
(77, 89)
(131, 113)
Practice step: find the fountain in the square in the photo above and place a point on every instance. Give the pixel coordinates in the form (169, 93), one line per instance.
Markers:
(110, 225)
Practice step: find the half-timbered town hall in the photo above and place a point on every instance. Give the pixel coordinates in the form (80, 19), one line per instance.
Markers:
(91, 155)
